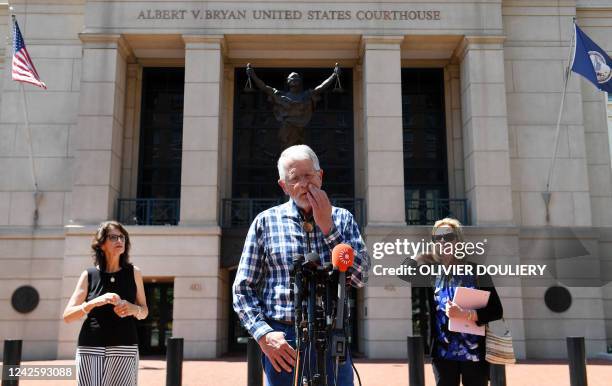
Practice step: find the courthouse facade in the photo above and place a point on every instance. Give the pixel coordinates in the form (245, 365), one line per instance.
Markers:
(443, 107)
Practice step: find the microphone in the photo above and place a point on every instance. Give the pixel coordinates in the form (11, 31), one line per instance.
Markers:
(343, 257)
(298, 260)
(312, 260)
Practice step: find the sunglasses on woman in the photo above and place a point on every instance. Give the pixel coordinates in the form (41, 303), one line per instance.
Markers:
(444, 237)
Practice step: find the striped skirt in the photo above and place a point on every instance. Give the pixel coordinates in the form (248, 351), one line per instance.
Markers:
(107, 366)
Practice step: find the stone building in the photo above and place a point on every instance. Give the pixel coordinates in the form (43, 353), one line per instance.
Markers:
(444, 107)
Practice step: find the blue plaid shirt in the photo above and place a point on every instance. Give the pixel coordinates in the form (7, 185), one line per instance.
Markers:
(262, 289)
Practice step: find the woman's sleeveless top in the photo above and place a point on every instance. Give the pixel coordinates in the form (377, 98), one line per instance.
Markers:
(103, 327)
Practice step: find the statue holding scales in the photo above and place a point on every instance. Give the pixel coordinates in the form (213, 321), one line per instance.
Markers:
(293, 108)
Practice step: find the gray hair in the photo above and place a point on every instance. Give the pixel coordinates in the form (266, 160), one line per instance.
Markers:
(296, 153)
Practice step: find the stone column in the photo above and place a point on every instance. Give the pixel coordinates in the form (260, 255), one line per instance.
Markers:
(485, 130)
(201, 128)
(200, 187)
(382, 107)
(385, 325)
(597, 153)
(99, 136)
(454, 131)
(131, 133)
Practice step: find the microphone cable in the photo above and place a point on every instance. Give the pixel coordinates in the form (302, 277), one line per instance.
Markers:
(355, 368)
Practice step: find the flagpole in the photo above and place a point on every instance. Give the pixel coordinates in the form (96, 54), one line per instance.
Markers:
(28, 138)
(547, 194)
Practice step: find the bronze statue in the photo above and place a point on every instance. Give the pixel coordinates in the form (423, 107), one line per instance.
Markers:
(293, 108)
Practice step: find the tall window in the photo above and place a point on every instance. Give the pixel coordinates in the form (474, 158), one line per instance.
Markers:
(161, 133)
(424, 135)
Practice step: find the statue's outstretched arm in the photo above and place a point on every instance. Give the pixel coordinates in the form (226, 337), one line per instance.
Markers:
(258, 82)
(327, 82)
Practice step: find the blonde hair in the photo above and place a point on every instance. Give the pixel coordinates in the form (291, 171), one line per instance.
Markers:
(449, 222)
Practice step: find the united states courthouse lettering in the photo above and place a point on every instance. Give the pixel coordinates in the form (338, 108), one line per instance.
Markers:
(442, 108)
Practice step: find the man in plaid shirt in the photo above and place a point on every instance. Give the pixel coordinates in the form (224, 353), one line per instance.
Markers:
(262, 292)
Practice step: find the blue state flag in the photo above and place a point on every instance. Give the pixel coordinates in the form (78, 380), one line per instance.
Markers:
(592, 62)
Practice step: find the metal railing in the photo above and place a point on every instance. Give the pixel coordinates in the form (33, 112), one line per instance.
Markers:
(427, 212)
(238, 212)
(148, 211)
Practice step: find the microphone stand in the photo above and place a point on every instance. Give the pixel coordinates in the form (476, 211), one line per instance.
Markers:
(314, 320)
(339, 333)
(317, 316)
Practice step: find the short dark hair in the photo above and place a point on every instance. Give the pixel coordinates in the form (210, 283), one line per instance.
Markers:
(100, 238)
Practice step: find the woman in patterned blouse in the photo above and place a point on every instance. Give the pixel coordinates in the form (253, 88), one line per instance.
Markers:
(456, 357)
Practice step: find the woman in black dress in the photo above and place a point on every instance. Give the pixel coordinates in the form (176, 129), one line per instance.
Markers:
(111, 296)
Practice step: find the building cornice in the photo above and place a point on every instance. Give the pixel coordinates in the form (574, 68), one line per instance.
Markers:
(478, 42)
(205, 42)
(109, 41)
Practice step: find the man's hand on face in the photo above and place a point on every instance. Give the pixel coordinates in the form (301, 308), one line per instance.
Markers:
(321, 208)
(281, 354)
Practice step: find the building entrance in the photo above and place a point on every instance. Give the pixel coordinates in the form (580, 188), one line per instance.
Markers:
(154, 331)
(256, 148)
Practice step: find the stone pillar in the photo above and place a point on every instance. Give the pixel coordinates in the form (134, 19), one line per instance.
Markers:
(131, 133)
(99, 136)
(201, 128)
(384, 324)
(597, 153)
(485, 130)
(454, 131)
(382, 107)
(200, 187)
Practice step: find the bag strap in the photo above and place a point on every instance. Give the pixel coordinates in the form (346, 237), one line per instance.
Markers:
(502, 319)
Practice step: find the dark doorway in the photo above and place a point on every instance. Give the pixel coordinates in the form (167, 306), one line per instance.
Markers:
(424, 136)
(154, 331)
(256, 143)
(235, 329)
(420, 309)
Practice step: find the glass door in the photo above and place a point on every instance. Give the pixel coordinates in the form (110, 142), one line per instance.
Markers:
(154, 331)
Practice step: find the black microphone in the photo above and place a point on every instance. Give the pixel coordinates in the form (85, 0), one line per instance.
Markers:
(312, 260)
(297, 288)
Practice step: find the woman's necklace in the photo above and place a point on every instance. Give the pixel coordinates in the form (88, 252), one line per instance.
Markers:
(112, 276)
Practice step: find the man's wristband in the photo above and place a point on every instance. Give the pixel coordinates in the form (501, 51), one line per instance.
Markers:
(83, 308)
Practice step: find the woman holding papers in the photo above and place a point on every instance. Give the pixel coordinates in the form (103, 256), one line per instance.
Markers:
(457, 356)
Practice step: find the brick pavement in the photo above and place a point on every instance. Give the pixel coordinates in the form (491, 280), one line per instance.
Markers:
(232, 372)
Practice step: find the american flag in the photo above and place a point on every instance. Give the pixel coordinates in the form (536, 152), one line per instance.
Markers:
(23, 68)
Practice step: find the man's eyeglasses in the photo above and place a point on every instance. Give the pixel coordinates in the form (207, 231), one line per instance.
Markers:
(444, 236)
(297, 179)
(115, 238)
